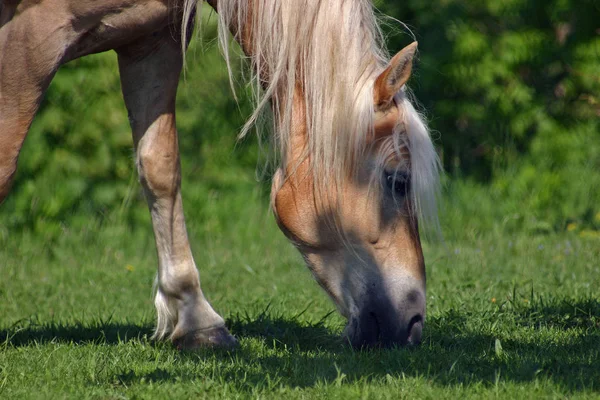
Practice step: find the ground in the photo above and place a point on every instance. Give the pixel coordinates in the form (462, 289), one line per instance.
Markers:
(509, 316)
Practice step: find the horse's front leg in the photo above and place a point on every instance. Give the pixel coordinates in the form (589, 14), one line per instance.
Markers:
(150, 70)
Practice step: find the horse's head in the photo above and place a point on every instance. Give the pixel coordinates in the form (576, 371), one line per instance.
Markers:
(360, 239)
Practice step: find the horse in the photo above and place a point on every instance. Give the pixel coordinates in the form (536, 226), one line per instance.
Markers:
(357, 170)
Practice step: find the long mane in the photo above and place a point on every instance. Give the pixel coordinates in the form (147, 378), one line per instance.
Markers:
(333, 50)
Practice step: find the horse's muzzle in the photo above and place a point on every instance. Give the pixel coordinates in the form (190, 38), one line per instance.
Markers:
(381, 323)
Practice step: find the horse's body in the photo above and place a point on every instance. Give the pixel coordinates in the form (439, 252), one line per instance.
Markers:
(357, 164)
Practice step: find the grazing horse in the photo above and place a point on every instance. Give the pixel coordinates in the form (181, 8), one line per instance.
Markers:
(357, 168)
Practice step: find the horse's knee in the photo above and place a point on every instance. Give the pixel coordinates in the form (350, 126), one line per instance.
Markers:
(159, 175)
(158, 165)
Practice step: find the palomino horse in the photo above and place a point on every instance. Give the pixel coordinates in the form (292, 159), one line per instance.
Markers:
(357, 166)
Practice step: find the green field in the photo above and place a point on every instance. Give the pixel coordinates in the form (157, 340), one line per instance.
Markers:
(513, 306)
(508, 316)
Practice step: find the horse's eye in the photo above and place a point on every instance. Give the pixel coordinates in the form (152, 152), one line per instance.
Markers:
(398, 183)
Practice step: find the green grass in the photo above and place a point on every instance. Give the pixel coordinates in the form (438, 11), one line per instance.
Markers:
(513, 306)
(509, 316)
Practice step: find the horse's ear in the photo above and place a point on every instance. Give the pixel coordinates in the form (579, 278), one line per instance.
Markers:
(390, 81)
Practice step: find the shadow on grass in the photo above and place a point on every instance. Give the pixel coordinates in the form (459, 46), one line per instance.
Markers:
(556, 342)
(28, 333)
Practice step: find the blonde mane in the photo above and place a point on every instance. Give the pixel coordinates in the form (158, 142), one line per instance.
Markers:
(334, 50)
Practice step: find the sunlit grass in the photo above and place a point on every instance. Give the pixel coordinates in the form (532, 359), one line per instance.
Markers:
(509, 316)
(513, 306)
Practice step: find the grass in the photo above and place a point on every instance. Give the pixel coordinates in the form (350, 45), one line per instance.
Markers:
(509, 315)
(513, 309)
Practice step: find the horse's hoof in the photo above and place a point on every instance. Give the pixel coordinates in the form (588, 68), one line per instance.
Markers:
(207, 338)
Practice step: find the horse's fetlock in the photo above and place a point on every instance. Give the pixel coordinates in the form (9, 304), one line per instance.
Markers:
(177, 285)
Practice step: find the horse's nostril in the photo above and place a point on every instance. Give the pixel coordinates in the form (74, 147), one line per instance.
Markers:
(415, 329)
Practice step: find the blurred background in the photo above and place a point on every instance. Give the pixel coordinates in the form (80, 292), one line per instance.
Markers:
(511, 90)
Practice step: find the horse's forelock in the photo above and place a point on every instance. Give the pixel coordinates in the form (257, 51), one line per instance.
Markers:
(425, 166)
